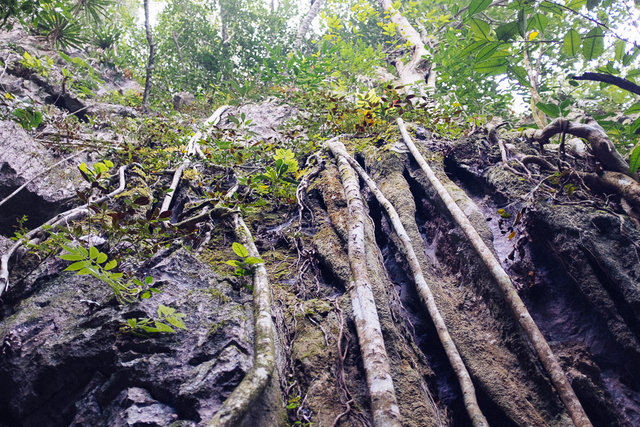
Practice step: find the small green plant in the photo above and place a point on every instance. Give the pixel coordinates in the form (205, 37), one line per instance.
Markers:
(246, 264)
(278, 181)
(167, 317)
(95, 263)
(96, 172)
(40, 66)
(28, 118)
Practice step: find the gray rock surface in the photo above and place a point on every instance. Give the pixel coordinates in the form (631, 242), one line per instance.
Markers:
(66, 362)
(21, 159)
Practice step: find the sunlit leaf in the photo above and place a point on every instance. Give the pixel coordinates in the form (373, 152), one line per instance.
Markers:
(480, 28)
(477, 6)
(593, 44)
(549, 109)
(634, 160)
(571, 43)
(240, 250)
(492, 66)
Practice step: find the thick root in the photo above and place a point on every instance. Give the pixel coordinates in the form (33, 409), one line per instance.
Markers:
(466, 385)
(374, 355)
(503, 280)
(255, 381)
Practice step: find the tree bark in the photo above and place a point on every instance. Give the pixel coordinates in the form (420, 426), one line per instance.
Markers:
(519, 310)
(150, 60)
(416, 70)
(612, 80)
(374, 354)
(306, 23)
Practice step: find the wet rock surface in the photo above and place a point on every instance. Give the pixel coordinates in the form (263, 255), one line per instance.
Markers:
(22, 160)
(66, 362)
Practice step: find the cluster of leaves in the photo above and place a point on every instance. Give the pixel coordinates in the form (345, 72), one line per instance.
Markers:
(277, 181)
(246, 264)
(167, 317)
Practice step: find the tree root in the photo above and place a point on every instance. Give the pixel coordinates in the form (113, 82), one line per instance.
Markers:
(374, 355)
(252, 385)
(466, 385)
(33, 237)
(516, 305)
(602, 147)
(193, 147)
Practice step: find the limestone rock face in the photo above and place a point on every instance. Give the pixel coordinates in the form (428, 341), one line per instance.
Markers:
(22, 159)
(65, 360)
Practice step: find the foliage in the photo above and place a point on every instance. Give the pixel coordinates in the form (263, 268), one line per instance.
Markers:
(38, 65)
(95, 263)
(167, 317)
(28, 118)
(246, 264)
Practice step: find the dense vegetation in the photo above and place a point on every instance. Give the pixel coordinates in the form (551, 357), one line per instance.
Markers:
(340, 68)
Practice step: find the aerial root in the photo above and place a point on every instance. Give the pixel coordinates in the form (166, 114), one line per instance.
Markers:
(466, 385)
(245, 395)
(38, 234)
(374, 355)
(519, 310)
(193, 147)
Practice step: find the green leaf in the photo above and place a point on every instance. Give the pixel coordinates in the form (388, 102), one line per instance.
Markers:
(148, 280)
(635, 126)
(240, 250)
(145, 295)
(86, 271)
(634, 160)
(571, 43)
(492, 66)
(102, 257)
(480, 28)
(538, 22)
(111, 264)
(549, 109)
(520, 74)
(83, 251)
(253, 260)
(164, 310)
(472, 48)
(177, 322)
(506, 31)
(478, 6)
(593, 44)
(234, 263)
(487, 51)
(591, 4)
(71, 257)
(132, 322)
(93, 252)
(162, 327)
(620, 47)
(78, 265)
(635, 108)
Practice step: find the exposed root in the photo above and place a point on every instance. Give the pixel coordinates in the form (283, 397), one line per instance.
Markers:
(518, 308)
(34, 236)
(602, 147)
(193, 147)
(466, 385)
(252, 385)
(374, 355)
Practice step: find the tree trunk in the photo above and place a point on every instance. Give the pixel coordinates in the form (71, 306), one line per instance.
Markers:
(150, 60)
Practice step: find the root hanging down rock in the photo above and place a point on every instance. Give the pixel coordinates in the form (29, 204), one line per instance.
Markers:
(193, 147)
(255, 381)
(384, 405)
(33, 237)
(466, 385)
(519, 310)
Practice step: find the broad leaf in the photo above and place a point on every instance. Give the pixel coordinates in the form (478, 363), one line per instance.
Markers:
(111, 264)
(571, 43)
(635, 108)
(240, 250)
(549, 109)
(78, 265)
(177, 322)
(478, 6)
(492, 66)
(520, 74)
(537, 22)
(93, 252)
(480, 28)
(71, 257)
(593, 44)
(102, 257)
(506, 31)
(620, 46)
(253, 260)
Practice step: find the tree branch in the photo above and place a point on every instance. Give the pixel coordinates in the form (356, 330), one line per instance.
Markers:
(612, 80)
